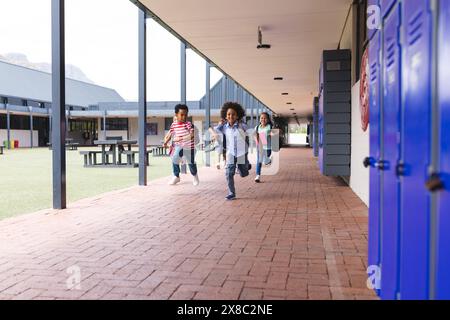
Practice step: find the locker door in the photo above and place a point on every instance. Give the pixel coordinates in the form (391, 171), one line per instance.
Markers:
(414, 260)
(391, 154)
(386, 6)
(442, 282)
(374, 120)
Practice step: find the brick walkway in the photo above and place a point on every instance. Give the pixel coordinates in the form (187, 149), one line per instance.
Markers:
(298, 235)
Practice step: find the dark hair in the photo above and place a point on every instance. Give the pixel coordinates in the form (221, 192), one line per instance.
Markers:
(179, 107)
(269, 122)
(232, 105)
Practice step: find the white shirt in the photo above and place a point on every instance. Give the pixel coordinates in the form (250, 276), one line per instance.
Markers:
(235, 139)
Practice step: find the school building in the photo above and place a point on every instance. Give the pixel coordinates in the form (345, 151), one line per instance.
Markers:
(95, 112)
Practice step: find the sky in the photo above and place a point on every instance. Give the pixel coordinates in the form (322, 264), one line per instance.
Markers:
(101, 40)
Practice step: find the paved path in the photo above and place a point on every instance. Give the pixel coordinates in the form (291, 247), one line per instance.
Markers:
(297, 235)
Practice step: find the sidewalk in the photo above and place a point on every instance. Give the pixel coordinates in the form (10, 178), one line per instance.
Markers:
(297, 235)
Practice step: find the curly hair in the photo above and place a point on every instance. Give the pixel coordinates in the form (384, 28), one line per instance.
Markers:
(235, 106)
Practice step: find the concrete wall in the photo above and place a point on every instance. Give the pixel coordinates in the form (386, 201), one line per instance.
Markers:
(151, 140)
(117, 133)
(22, 135)
(359, 179)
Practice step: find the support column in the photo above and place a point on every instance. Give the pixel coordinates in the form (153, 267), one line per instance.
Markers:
(8, 127)
(50, 126)
(99, 128)
(208, 111)
(31, 127)
(257, 109)
(183, 73)
(224, 89)
(58, 105)
(104, 125)
(142, 120)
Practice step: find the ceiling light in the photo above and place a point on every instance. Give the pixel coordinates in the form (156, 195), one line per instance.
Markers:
(288, 102)
(261, 45)
(278, 78)
(292, 109)
(285, 94)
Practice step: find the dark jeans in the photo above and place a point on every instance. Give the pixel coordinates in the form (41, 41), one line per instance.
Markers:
(262, 156)
(242, 164)
(189, 154)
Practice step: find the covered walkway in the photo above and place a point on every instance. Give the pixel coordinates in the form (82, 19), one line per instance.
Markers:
(297, 235)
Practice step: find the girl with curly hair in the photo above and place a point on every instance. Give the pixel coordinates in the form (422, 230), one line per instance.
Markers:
(236, 144)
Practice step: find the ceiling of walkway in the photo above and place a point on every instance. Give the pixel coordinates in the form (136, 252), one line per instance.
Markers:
(226, 32)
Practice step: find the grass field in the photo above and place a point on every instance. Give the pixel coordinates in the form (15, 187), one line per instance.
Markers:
(26, 178)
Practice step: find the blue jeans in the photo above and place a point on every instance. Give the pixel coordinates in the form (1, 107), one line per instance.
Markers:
(189, 154)
(242, 165)
(262, 156)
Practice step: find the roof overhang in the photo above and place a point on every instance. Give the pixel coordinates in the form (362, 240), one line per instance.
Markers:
(226, 33)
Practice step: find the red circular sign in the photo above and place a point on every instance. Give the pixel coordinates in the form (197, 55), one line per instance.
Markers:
(364, 91)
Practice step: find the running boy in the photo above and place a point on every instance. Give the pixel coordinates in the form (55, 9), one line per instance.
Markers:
(182, 133)
(236, 144)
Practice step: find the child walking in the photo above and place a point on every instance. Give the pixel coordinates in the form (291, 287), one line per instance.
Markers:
(263, 136)
(182, 134)
(236, 144)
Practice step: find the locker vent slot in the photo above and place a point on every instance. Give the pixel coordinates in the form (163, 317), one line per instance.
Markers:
(415, 28)
(390, 52)
(373, 72)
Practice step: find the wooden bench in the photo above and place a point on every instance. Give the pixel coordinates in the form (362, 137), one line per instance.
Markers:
(131, 156)
(69, 145)
(90, 157)
(159, 151)
(72, 145)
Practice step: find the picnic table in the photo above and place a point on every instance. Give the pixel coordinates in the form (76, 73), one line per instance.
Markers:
(158, 150)
(69, 144)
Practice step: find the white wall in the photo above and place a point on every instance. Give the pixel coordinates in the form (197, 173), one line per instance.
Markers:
(117, 133)
(22, 135)
(151, 140)
(359, 179)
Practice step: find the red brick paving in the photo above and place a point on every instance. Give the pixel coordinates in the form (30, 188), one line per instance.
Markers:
(297, 235)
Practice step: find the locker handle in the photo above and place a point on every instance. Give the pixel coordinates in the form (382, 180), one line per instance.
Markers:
(382, 165)
(400, 169)
(369, 162)
(435, 183)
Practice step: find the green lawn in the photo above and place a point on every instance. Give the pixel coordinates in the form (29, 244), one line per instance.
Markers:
(26, 180)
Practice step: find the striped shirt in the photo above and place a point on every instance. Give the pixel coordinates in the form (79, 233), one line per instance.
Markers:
(182, 130)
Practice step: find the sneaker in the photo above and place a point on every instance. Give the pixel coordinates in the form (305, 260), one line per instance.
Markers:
(196, 181)
(230, 197)
(268, 163)
(257, 179)
(174, 181)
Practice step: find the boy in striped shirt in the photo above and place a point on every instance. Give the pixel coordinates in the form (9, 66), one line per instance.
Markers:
(182, 134)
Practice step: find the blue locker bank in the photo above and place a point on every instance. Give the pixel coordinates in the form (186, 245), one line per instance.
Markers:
(409, 161)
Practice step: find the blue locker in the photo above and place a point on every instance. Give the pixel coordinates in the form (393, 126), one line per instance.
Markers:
(386, 6)
(442, 263)
(391, 154)
(415, 203)
(375, 152)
